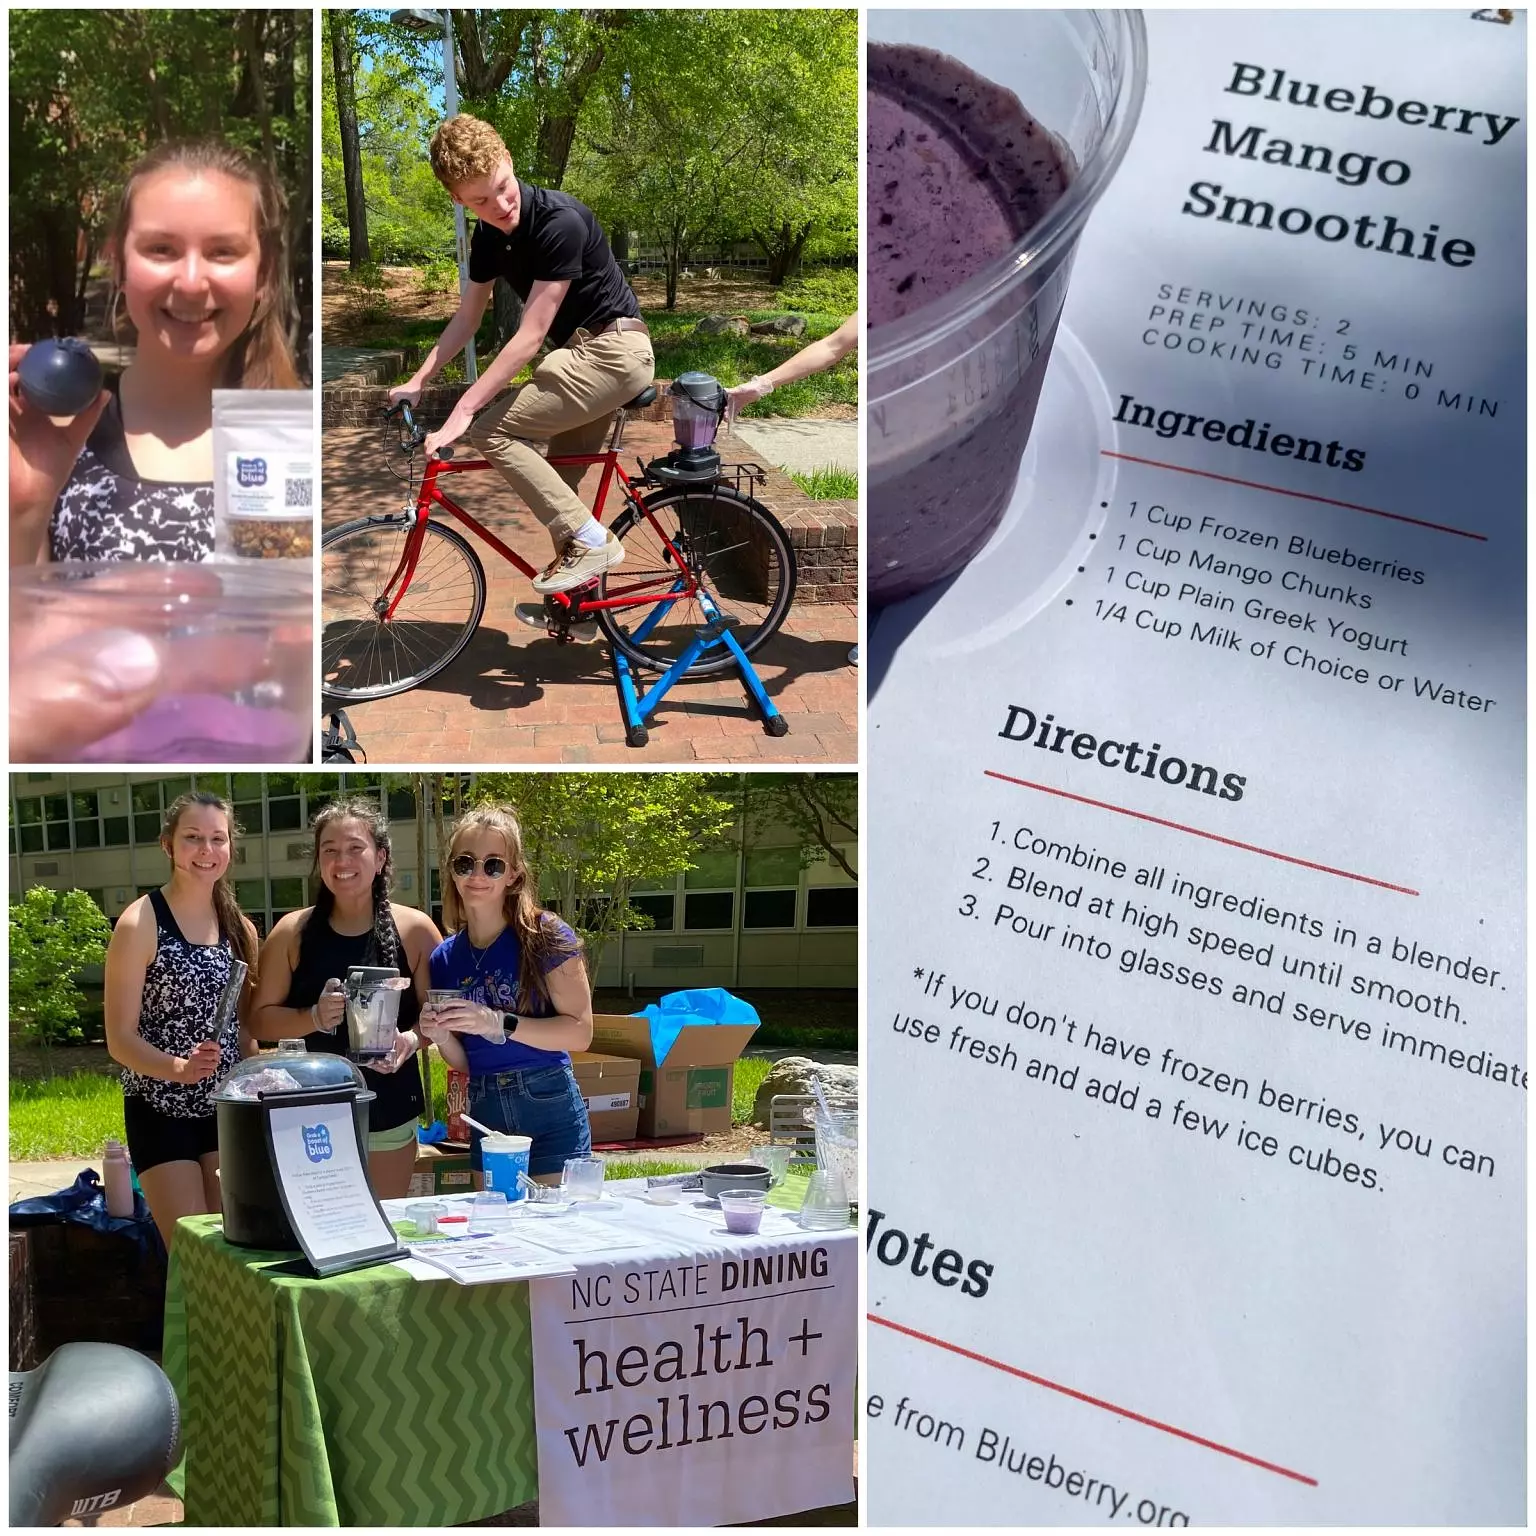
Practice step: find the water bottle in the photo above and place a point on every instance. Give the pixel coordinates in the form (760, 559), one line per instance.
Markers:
(117, 1176)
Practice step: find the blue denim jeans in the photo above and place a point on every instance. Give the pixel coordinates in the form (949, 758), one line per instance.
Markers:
(541, 1102)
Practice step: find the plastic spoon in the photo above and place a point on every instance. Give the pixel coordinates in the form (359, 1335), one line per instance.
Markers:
(482, 1128)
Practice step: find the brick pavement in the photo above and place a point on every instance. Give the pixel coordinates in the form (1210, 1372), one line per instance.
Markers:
(515, 696)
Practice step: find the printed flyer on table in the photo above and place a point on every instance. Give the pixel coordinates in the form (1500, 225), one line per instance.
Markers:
(1198, 926)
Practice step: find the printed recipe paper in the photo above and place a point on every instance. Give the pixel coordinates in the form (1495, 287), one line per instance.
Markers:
(1197, 1027)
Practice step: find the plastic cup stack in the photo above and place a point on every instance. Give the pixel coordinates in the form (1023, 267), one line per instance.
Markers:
(490, 1212)
(826, 1202)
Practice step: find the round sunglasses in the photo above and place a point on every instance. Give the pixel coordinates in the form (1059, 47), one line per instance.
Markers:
(466, 863)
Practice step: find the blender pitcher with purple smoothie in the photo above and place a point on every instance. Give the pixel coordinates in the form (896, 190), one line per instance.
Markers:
(991, 134)
(698, 406)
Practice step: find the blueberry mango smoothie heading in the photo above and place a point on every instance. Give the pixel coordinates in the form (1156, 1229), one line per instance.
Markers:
(1369, 232)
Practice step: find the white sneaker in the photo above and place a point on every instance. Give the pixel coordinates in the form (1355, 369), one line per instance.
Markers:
(577, 564)
(583, 631)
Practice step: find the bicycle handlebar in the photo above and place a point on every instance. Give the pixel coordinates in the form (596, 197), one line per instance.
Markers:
(415, 435)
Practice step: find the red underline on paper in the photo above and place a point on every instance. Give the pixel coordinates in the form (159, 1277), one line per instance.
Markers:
(1095, 1402)
(1327, 501)
(1215, 837)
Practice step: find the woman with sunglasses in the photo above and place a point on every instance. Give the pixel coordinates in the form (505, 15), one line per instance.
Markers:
(524, 1001)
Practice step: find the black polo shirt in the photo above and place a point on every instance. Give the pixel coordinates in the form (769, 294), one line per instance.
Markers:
(557, 238)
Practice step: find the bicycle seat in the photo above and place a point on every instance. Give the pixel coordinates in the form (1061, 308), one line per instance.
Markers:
(94, 1427)
(647, 396)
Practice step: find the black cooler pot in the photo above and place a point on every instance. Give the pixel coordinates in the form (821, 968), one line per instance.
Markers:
(253, 1210)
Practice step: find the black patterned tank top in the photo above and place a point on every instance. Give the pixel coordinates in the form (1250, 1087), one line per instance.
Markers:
(107, 512)
(181, 996)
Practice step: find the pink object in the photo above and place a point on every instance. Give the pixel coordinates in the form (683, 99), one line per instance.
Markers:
(117, 1176)
(204, 728)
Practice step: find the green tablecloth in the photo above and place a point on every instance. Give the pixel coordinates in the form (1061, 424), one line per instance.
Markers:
(368, 1399)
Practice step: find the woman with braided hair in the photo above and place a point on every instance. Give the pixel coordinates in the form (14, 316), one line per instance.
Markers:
(353, 922)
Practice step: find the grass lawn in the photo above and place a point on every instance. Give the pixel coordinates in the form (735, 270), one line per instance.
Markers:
(828, 484)
(404, 310)
(74, 1114)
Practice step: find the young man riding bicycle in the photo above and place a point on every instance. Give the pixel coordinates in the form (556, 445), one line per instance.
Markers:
(551, 250)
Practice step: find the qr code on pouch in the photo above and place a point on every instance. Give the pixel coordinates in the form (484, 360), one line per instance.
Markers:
(298, 493)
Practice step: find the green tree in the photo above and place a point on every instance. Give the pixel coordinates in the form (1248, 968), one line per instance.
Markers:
(54, 936)
(92, 90)
(593, 837)
(822, 807)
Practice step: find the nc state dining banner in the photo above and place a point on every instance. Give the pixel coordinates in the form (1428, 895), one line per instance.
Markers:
(698, 1390)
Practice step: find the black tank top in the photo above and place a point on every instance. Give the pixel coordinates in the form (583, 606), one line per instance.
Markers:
(324, 953)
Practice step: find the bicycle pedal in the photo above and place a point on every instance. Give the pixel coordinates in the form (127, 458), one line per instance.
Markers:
(717, 626)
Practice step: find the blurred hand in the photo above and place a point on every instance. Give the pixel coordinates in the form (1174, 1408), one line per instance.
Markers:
(458, 423)
(407, 1044)
(743, 395)
(466, 1018)
(43, 451)
(202, 1063)
(331, 1005)
(79, 673)
(410, 392)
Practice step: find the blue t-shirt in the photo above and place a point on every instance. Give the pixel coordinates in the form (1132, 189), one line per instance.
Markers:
(490, 976)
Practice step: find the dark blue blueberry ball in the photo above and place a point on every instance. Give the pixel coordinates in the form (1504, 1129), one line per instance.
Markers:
(60, 378)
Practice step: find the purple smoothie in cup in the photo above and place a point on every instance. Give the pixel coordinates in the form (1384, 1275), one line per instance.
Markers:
(959, 173)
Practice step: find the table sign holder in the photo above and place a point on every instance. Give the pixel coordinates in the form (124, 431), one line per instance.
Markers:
(321, 1260)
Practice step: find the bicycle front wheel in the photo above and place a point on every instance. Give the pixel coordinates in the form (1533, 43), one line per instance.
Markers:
(367, 652)
(733, 547)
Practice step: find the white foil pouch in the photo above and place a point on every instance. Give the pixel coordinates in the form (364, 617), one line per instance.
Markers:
(263, 474)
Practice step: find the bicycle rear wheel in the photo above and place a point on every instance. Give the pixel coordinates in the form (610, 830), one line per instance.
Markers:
(736, 551)
(364, 655)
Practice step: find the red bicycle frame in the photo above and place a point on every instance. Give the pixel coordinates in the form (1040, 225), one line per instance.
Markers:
(681, 585)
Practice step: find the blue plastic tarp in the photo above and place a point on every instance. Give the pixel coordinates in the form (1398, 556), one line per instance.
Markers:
(678, 1011)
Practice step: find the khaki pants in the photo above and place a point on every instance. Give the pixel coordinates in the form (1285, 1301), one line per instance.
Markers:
(567, 407)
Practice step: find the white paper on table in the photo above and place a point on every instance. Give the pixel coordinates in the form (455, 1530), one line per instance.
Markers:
(776, 1222)
(575, 1234)
(1207, 1325)
(491, 1259)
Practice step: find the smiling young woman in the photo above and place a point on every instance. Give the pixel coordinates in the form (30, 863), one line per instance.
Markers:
(168, 961)
(524, 1000)
(353, 923)
(198, 254)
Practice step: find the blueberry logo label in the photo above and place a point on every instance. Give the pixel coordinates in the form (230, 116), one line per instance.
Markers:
(251, 471)
(317, 1143)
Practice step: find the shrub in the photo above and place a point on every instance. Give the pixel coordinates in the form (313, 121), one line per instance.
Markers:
(826, 290)
(440, 275)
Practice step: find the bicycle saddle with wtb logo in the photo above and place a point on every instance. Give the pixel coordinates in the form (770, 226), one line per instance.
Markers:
(94, 1427)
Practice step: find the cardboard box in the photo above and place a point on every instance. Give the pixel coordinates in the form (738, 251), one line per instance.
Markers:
(691, 1090)
(610, 1085)
(440, 1169)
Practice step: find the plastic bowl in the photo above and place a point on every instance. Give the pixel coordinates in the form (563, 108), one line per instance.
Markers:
(235, 644)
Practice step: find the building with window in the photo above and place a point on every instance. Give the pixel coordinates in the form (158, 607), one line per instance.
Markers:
(755, 914)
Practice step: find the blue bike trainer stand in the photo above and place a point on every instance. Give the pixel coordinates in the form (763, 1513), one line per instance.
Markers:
(715, 631)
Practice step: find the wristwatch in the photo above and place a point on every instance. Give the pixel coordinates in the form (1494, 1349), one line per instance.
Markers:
(508, 1026)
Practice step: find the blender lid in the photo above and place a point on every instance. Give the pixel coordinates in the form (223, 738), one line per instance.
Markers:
(701, 388)
(310, 1069)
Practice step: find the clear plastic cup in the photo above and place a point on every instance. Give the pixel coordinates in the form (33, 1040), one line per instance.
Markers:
(743, 1209)
(490, 1212)
(953, 384)
(774, 1159)
(235, 646)
(825, 1206)
(582, 1178)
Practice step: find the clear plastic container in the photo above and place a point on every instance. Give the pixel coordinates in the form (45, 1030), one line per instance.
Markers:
(698, 402)
(954, 382)
(743, 1209)
(235, 645)
(837, 1148)
(373, 1011)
